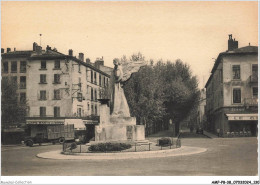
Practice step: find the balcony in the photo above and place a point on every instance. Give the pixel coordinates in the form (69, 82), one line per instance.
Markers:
(253, 78)
(251, 101)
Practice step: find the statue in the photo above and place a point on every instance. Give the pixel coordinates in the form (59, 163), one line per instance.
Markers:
(121, 73)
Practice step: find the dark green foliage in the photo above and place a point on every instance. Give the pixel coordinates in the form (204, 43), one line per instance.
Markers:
(105, 147)
(164, 141)
(13, 113)
(161, 91)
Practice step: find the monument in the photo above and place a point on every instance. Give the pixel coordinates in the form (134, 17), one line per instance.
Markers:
(117, 125)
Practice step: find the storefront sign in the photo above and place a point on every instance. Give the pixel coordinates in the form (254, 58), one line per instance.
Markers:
(90, 122)
(47, 122)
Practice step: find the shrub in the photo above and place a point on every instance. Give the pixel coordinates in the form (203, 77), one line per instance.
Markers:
(104, 147)
(164, 141)
(73, 146)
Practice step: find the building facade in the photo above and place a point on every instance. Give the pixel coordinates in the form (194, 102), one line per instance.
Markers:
(58, 88)
(232, 92)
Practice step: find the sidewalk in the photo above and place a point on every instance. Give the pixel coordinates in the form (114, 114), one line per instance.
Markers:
(210, 135)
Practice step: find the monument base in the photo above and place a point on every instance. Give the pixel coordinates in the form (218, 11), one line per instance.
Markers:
(120, 132)
(117, 129)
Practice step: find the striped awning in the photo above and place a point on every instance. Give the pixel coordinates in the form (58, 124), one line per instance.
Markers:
(242, 117)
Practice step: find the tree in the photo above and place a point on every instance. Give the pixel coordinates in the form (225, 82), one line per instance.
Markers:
(161, 91)
(180, 90)
(12, 112)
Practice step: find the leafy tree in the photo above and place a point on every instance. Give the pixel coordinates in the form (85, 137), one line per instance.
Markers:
(12, 112)
(161, 91)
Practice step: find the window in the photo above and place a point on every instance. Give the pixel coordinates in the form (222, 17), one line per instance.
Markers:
(92, 98)
(79, 112)
(42, 111)
(255, 92)
(14, 67)
(95, 110)
(57, 94)
(88, 106)
(95, 94)
(43, 95)
(56, 111)
(79, 97)
(23, 67)
(22, 98)
(79, 69)
(43, 79)
(80, 84)
(95, 77)
(92, 109)
(236, 95)
(220, 76)
(91, 76)
(104, 81)
(57, 78)
(43, 64)
(56, 64)
(100, 80)
(236, 71)
(255, 69)
(22, 82)
(5, 67)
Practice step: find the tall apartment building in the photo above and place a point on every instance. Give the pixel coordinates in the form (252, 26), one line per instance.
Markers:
(232, 91)
(59, 88)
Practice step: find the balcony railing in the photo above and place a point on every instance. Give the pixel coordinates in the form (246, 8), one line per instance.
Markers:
(254, 78)
(251, 101)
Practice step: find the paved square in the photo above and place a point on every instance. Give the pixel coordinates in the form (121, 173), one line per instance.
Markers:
(224, 157)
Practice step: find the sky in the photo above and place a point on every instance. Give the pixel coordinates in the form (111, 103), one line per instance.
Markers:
(195, 32)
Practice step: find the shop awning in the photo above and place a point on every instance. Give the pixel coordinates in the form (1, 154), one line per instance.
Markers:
(79, 125)
(242, 117)
(45, 122)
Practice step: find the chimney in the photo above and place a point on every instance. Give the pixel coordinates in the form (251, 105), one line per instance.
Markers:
(2, 50)
(8, 50)
(81, 57)
(99, 62)
(88, 60)
(38, 49)
(70, 52)
(232, 43)
(34, 46)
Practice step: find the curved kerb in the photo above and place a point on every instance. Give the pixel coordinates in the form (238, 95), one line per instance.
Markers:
(184, 150)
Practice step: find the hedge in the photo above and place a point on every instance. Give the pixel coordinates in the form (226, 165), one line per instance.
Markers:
(104, 147)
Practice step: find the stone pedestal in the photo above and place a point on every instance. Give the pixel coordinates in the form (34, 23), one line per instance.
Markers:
(114, 129)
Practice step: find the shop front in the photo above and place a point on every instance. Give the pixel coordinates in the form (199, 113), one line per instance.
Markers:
(39, 126)
(243, 124)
